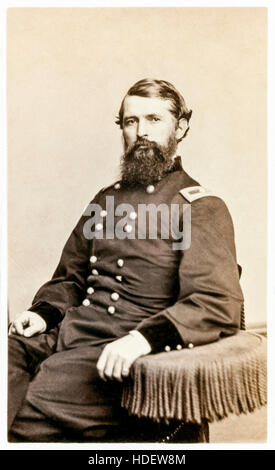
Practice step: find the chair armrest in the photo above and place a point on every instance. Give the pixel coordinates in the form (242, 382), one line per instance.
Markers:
(208, 382)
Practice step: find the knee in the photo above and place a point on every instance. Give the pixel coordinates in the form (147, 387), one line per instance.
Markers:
(16, 352)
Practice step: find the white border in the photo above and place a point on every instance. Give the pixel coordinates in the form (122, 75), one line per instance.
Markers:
(271, 229)
(133, 3)
(271, 226)
(3, 229)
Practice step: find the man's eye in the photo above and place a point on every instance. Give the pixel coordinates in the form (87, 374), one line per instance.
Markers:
(155, 119)
(129, 122)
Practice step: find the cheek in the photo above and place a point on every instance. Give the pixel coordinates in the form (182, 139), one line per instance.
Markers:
(129, 136)
(163, 134)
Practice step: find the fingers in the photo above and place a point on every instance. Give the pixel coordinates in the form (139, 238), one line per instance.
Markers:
(19, 324)
(117, 357)
(112, 366)
(125, 370)
(31, 330)
(101, 364)
(12, 329)
(121, 369)
(28, 324)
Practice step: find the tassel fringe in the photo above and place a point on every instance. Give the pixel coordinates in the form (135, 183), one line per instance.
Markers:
(208, 382)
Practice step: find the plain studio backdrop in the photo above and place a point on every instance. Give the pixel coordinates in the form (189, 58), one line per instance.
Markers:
(67, 72)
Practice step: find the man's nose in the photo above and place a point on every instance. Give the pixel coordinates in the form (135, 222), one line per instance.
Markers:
(142, 130)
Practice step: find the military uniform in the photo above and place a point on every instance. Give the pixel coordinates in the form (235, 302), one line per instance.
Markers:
(106, 287)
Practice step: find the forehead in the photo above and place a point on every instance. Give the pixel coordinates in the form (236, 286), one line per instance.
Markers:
(139, 105)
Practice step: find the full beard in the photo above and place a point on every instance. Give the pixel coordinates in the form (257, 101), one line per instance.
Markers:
(146, 162)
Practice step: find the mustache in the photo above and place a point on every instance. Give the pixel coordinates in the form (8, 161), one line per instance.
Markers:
(145, 161)
(142, 144)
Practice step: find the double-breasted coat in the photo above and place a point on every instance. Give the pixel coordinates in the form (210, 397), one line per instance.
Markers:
(105, 286)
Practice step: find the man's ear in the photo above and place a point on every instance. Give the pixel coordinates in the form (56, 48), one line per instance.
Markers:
(182, 129)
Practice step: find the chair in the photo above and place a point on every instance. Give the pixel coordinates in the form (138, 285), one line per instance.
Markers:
(198, 386)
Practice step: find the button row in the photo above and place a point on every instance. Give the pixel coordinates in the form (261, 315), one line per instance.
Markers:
(178, 347)
(149, 189)
(132, 215)
(111, 309)
(95, 273)
(93, 260)
(99, 225)
(120, 263)
(127, 228)
(114, 296)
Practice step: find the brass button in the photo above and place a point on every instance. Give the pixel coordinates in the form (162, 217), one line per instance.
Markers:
(150, 189)
(98, 227)
(190, 345)
(120, 263)
(119, 278)
(115, 296)
(117, 186)
(111, 309)
(133, 215)
(95, 272)
(86, 302)
(179, 347)
(103, 213)
(167, 348)
(128, 228)
(93, 259)
(90, 290)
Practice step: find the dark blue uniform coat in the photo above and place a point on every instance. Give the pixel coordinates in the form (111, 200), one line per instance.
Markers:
(176, 298)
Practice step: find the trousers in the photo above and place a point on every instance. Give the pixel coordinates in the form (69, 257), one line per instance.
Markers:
(60, 392)
(57, 396)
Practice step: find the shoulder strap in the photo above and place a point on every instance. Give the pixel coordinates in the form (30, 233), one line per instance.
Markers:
(195, 192)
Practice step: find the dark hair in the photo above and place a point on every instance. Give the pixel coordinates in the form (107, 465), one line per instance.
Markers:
(150, 88)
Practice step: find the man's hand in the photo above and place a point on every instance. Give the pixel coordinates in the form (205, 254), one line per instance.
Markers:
(117, 357)
(28, 324)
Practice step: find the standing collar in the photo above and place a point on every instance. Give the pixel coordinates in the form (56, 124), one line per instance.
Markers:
(177, 163)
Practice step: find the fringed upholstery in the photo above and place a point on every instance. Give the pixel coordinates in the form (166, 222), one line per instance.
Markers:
(208, 382)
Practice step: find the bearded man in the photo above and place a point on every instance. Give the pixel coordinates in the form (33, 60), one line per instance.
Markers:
(115, 298)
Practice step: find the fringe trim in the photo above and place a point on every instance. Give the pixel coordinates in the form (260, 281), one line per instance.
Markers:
(209, 382)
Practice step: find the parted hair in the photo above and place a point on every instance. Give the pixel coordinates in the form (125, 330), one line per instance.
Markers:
(151, 88)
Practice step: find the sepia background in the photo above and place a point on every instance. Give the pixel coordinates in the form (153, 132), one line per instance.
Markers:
(67, 72)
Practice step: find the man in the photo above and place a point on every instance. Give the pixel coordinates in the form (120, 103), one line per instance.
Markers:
(117, 295)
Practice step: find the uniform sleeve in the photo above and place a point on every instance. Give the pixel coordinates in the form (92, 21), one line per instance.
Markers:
(66, 288)
(210, 298)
